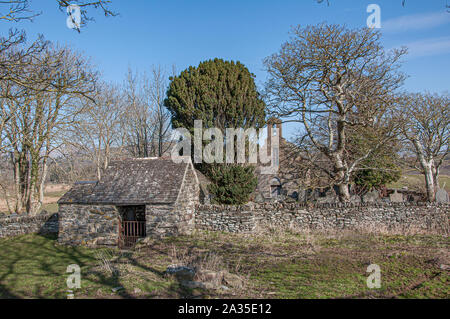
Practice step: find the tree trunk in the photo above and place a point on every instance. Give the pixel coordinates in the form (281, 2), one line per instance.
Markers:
(342, 178)
(107, 156)
(427, 167)
(17, 186)
(99, 172)
(344, 193)
(42, 182)
(429, 182)
(31, 204)
(435, 177)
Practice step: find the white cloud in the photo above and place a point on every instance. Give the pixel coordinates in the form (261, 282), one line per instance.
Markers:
(427, 47)
(416, 22)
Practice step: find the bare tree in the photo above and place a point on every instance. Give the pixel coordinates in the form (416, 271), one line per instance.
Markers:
(115, 123)
(96, 131)
(135, 125)
(41, 113)
(155, 91)
(426, 126)
(38, 85)
(147, 124)
(26, 70)
(330, 79)
(17, 10)
(447, 6)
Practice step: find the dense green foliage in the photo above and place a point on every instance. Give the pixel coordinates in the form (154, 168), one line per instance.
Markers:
(232, 184)
(368, 179)
(220, 93)
(380, 167)
(223, 95)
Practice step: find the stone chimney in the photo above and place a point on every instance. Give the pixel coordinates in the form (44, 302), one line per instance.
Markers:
(274, 135)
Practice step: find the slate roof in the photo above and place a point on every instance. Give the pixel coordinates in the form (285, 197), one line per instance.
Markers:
(132, 182)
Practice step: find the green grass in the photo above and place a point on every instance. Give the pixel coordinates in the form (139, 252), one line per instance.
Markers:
(276, 264)
(57, 194)
(51, 208)
(33, 266)
(412, 181)
(311, 279)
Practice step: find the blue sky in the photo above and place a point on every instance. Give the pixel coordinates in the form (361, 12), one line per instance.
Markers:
(186, 32)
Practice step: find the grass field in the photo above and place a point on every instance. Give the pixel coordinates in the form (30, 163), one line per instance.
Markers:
(418, 182)
(277, 264)
(52, 195)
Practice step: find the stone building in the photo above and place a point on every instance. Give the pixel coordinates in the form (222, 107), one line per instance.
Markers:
(135, 198)
(285, 181)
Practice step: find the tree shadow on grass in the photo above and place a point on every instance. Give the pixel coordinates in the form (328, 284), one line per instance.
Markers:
(35, 266)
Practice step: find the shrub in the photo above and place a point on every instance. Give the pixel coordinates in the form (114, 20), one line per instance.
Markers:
(232, 184)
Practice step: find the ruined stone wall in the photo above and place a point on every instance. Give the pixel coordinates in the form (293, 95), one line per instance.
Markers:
(46, 223)
(393, 217)
(92, 225)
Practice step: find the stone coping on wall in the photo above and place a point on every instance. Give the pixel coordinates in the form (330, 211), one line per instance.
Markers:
(294, 206)
(12, 219)
(45, 223)
(409, 217)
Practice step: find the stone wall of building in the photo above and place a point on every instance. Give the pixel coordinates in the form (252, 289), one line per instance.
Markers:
(186, 202)
(389, 217)
(160, 220)
(172, 220)
(92, 225)
(46, 223)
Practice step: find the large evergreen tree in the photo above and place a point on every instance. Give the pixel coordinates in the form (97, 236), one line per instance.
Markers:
(223, 95)
(232, 184)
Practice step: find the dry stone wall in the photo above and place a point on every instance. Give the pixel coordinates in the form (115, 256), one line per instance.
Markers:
(389, 217)
(46, 223)
(234, 219)
(98, 225)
